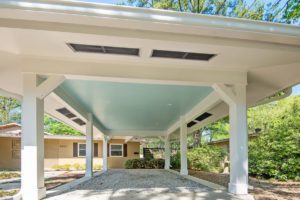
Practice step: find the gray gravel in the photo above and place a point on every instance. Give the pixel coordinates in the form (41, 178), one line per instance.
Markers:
(141, 184)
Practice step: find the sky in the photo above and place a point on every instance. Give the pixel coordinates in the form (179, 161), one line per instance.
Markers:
(296, 90)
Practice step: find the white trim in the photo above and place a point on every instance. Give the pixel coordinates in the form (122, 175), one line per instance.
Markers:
(95, 14)
(135, 133)
(139, 72)
(116, 144)
(46, 87)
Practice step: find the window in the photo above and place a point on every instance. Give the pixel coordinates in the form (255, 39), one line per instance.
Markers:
(116, 150)
(81, 149)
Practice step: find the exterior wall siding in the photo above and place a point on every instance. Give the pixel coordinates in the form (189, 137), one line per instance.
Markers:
(60, 152)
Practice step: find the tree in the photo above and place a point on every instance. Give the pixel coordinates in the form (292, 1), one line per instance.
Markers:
(55, 127)
(276, 153)
(8, 105)
(284, 11)
(10, 111)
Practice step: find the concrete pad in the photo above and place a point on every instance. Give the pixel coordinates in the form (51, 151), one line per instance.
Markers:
(142, 184)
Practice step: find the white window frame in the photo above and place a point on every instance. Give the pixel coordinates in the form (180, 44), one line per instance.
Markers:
(79, 149)
(121, 149)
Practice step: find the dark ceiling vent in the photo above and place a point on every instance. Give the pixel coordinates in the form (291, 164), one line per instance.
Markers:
(66, 112)
(104, 49)
(190, 124)
(181, 55)
(79, 122)
(203, 116)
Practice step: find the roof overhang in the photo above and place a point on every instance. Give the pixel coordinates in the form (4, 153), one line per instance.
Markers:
(34, 37)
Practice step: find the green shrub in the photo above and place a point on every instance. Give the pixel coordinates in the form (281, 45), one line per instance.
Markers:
(175, 161)
(145, 164)
(276, 153)
(205, 158)
(8, 175)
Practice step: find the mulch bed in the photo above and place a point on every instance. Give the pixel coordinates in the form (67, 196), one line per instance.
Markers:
(262, 189)
(61, 179)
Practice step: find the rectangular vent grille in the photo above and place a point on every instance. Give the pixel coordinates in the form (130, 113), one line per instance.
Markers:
(182, 55)
(190, 124)
(79, 122)
(104, 49)
(66, 112)
(203, 116)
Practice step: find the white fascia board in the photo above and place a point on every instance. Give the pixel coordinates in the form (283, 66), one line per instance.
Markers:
(147, 19)
(135, 133)
(133, 73)
(206, 104)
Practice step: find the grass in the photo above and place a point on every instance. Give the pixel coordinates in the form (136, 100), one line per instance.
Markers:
(76, 166)
(8, 175)
(5, 193)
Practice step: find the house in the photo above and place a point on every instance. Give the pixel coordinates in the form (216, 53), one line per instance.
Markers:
(224, 143)
(64, 149)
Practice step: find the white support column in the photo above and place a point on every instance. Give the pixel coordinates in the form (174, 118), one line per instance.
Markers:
(167, 152)
(105, 140)
(32, 154)
(236, 98)
(183, 147)
(89, 146)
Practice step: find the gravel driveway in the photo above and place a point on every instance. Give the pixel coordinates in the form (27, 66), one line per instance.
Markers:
(141, 184)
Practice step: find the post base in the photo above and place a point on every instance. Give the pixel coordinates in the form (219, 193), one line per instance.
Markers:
(184, 172)
(39, 193)
(238, 189)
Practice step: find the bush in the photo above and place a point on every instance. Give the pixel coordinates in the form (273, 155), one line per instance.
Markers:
(205, 158)
(175, 161)
(145, 164)
(276, 153)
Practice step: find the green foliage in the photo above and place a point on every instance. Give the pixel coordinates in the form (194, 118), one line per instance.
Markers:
(144, 164)
(55, 127)
(7, 193)
(204, 158)
(218, 130)
(175, 161)
(276, 153)
(7, 106)
(75, 166)
(284, 11)
(10, 111)
(9, 175)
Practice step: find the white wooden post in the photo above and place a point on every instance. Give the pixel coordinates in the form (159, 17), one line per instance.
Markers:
(32, 154)
(238, 141)
(183, 147)
(105, 140)
(89, 146)
(167, 152)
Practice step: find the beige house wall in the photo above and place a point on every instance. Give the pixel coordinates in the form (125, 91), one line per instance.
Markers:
(60, 152)
(7, 159)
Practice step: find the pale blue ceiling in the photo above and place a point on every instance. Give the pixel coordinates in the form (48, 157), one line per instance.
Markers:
(130, 106)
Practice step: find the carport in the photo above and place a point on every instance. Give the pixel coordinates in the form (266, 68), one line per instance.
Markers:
(137, 72)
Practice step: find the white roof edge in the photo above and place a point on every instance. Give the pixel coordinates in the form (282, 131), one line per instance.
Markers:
(153, 15)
